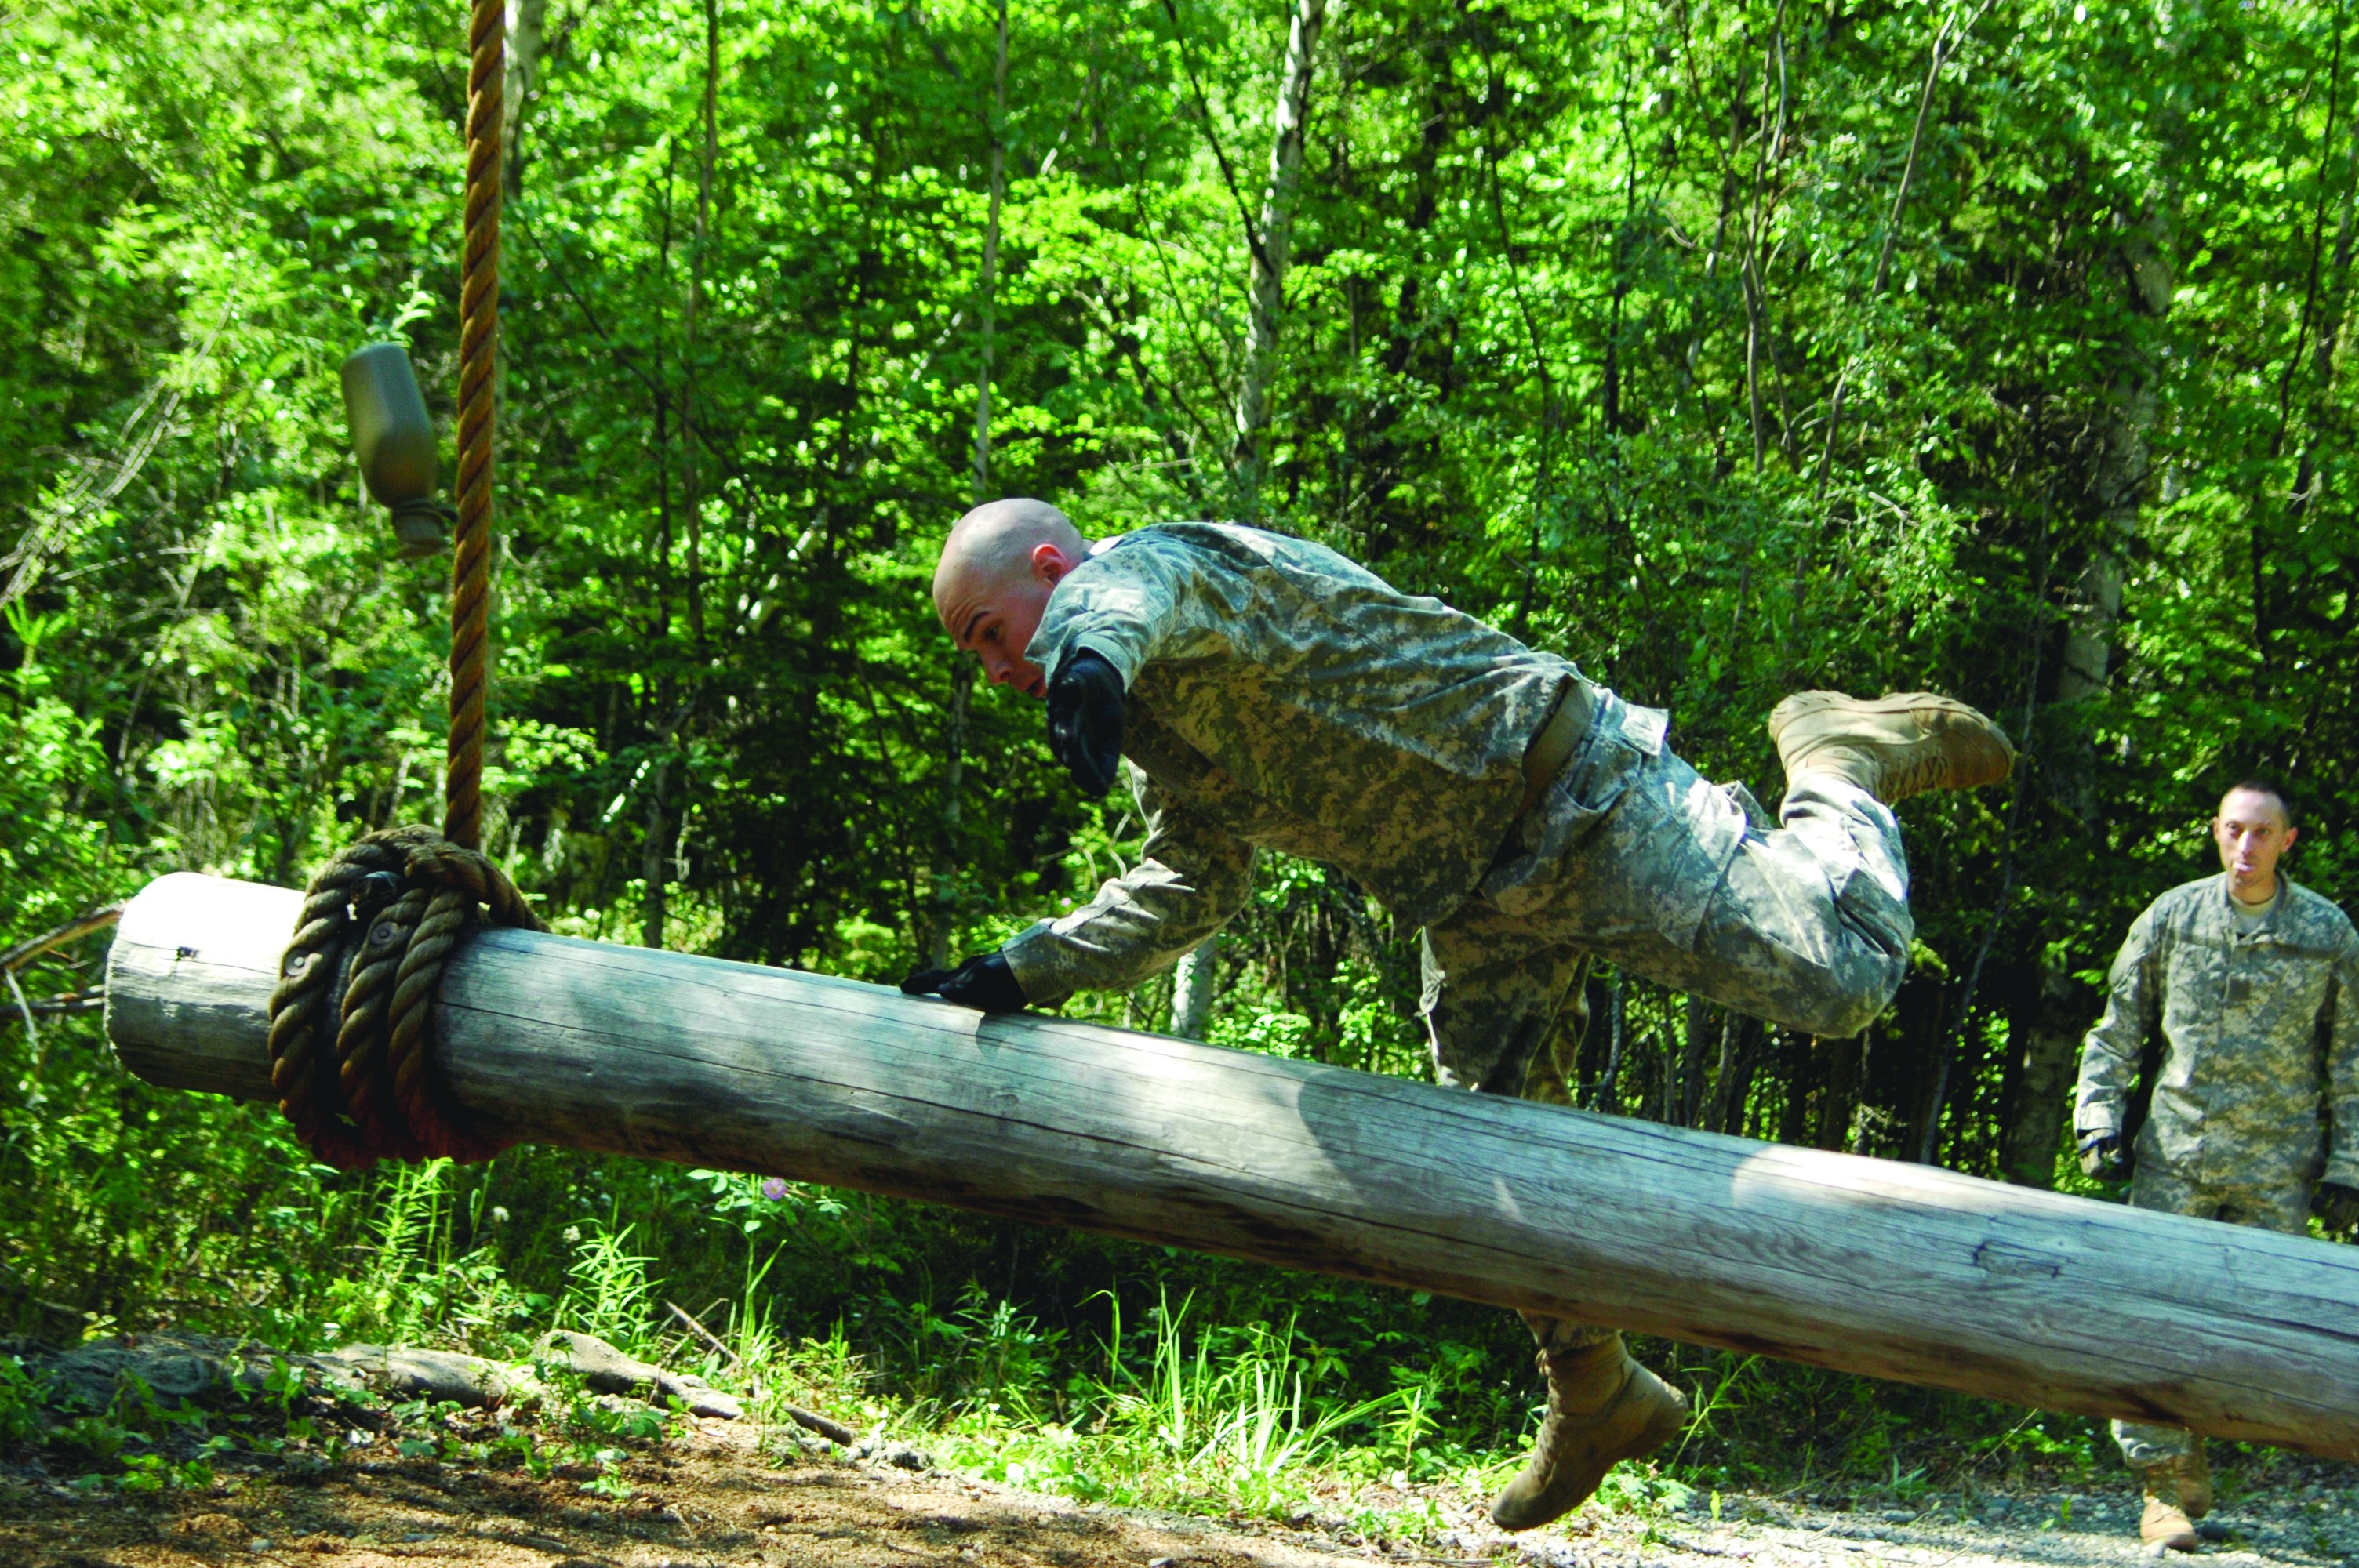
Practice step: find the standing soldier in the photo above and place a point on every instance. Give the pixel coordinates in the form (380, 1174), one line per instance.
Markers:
(1270, 693)
(2253, 983)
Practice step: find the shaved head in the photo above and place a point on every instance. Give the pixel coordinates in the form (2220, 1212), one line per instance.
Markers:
(999, 565)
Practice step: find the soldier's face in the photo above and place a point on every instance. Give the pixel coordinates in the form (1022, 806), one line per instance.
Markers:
(2252, 832)
(993, 614)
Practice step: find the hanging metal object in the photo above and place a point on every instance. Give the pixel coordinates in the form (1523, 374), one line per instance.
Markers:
(394, 442)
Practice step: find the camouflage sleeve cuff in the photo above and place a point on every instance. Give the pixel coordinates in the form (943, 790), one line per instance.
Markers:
(2095, 1108)
(1031, 959)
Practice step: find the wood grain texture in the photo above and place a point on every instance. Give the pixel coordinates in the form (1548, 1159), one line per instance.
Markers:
(1894, 1271)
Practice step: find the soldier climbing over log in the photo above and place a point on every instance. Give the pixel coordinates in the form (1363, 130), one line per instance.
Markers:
(1271, 693)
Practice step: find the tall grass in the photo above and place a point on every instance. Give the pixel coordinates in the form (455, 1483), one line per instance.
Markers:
(1227, 1419)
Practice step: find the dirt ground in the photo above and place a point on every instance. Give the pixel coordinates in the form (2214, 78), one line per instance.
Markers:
(709, 1498)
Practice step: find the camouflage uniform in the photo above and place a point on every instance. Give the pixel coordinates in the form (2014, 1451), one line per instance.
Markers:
(2257, 1098)
(1280, 695)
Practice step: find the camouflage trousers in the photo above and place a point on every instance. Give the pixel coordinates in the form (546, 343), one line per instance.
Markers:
(2272, 1205)
(1633, 857)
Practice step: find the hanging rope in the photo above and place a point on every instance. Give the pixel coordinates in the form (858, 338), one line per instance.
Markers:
(479, 332)
(388, 910)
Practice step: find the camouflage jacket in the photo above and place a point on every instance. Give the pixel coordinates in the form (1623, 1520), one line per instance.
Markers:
(1282, 697)
(2259, 1081)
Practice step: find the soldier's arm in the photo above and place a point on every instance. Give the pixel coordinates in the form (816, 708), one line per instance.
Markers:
(1191, 877)
(2109, 1055)
(2343, 1070)
(1146, 598)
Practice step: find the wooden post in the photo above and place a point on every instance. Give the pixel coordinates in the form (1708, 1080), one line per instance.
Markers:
(1865, 1266)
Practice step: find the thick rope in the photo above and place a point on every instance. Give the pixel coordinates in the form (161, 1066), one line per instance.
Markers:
(479, 332)
(365, 1094)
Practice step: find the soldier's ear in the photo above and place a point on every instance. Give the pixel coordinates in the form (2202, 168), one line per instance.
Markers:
(1049, 563)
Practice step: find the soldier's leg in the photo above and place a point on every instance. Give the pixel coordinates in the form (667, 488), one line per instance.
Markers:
(2272, 1205)
(1810, 926)
(1634, 857)
(1498, 994)
(1631, 854)
(2169, 1461)
(1495, 993)
(1492, 989)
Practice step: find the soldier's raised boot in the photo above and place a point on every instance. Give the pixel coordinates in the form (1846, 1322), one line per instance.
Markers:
(1602, 1407)
(2175, 1489)
(1893, 746)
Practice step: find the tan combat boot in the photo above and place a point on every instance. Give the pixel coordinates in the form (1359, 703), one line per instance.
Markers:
(1602, 1407)
(2165, 1525)
(1894, 747)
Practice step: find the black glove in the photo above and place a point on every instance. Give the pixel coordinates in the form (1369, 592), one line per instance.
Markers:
(2101, 1156)
(1085, 720)
(2336, 1206)
(984, 982)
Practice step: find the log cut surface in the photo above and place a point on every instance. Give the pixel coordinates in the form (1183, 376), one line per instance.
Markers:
(1867, 1266)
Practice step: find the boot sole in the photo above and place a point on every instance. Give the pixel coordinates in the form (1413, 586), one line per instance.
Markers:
(1978, 750)
(1543, 1510)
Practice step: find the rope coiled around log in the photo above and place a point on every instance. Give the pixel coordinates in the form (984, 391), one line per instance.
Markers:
(390, 908)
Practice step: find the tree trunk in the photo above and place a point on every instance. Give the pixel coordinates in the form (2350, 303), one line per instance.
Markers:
(1269, 251)
(691, 469)
(945, 879)
(1192, 989)
(989, 285)
(2116, 487)
(1861, 1265)
(1836, 1064)
(2045, 1037)
(653, 855)
(1192, 986)
(525, 40)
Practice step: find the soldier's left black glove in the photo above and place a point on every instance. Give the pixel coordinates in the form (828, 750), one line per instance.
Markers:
(2336, 1206)
(984, 982)
(1085, 720)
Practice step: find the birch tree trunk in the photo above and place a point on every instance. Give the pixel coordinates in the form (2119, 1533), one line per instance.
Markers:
(2048, 1053)
(1192, 989)
(691, 469)
(962, 675)
(653, 854)
(1191, 994)
(1270, 252)
(990, 282)
(525, 19)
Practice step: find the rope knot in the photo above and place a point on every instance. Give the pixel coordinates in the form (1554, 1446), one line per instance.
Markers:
(386, 914)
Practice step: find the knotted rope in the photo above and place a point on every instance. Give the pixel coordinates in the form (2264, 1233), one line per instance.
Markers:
(390, 909)
(366, 1093)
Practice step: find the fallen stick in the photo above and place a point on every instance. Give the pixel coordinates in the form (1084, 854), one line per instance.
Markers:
(1867, 1266)
(834, 1430)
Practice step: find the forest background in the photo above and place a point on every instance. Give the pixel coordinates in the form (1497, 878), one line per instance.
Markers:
(1728, 350)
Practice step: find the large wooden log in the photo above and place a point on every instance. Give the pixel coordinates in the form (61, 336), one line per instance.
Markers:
(1895, 1271)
